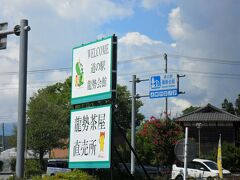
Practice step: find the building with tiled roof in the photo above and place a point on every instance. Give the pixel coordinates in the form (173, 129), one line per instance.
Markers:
(208, 123)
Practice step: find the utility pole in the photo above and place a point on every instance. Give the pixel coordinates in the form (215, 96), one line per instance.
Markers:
(134, 81)
(135, 96)
(166, 99)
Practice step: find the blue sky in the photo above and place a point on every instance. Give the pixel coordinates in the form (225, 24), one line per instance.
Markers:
(200, 37)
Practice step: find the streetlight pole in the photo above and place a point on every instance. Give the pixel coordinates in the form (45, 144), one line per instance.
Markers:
(24, 28)
(22, 31)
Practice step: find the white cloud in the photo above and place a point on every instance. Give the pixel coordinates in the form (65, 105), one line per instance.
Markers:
(210, 32)
(58, 76)
(173, 45)
(181, 103)
(11, 53)
(175, 26)
(94, 11)
(137, 39)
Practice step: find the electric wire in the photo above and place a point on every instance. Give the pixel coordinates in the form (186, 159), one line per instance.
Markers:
(143, 58)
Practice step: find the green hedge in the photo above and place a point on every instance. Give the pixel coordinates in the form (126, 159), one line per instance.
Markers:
(76, 174)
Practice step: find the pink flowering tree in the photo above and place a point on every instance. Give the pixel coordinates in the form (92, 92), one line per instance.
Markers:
(156, 140)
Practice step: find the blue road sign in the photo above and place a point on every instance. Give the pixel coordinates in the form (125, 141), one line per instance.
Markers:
(163, 86)
(155, 82)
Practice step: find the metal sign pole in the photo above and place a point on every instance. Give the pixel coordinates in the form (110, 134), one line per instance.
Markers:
(185, 153)
(22, 98)
(133, 122)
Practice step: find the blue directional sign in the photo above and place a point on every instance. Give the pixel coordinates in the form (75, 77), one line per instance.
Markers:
(163, 86)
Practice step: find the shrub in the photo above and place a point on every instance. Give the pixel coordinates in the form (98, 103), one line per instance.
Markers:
(76, 174)
(32, 168)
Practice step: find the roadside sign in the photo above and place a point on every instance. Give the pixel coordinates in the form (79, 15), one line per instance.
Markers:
(163, 86)
(3, 38)
(90, 137)
(92, 71)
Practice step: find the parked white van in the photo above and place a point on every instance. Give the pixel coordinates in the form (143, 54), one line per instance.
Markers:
(199, 169)
(57, 166)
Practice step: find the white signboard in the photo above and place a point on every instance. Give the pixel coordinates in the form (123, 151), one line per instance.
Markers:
(163, 86)
(92, 72)
(90, 133)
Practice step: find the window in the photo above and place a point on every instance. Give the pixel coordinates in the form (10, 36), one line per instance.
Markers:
(58, 164)
(62, 164)
(211, 165)
(200, 166)
(190, 165)
(51, 164)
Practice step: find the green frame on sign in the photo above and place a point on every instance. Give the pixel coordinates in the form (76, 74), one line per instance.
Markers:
(98, 96)
(92, 164)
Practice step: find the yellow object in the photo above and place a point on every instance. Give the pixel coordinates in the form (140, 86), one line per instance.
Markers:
(101, 141)
(219, 159)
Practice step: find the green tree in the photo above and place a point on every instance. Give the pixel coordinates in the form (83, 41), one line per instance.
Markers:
(228, 106)
(230, 156)
(124, 103)
(48, 118)
(237, 106)
(190, 109)
(156, 140)
(13, 138)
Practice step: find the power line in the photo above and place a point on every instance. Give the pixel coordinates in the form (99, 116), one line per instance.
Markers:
(143, 58)
(30, 83)
(37, 71)
(206, 60)
(150, 72)
(183, 71)
(184, 57)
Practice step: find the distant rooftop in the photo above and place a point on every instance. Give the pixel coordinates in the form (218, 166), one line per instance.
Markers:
(208, 113)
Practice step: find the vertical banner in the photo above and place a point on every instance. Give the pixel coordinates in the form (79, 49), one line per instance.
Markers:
(92, 71)
(219, 159)
(90, 137)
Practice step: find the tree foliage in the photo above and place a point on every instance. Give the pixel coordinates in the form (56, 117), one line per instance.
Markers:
(237, 105)
(228, 106)
(156, 140)
(48, 118)
(230, 156)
